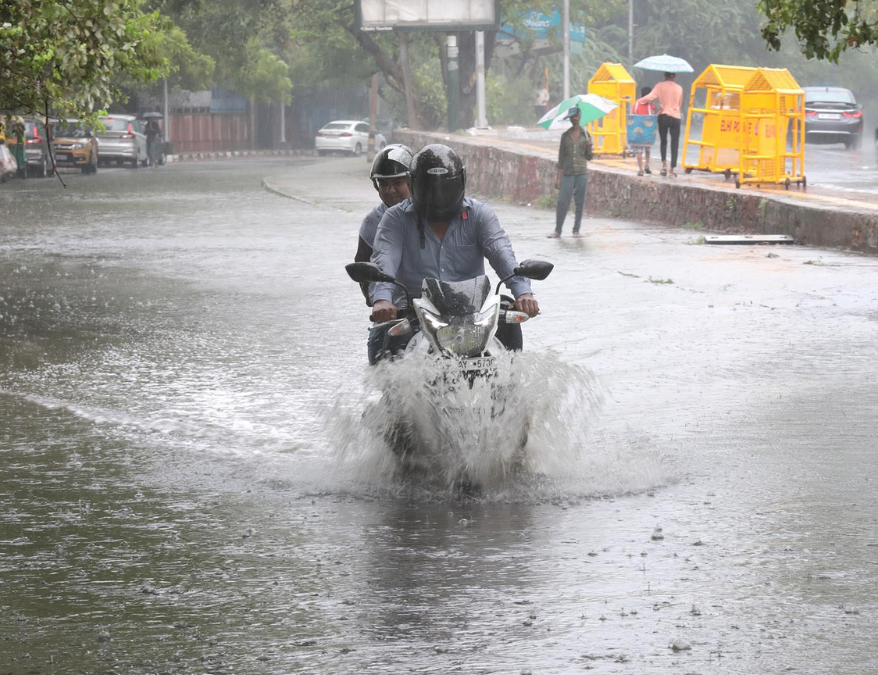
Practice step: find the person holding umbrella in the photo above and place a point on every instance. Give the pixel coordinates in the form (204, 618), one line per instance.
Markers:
(670, 96)
(572, 177)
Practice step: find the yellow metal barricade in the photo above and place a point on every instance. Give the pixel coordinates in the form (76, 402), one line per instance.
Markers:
(612, 82)
(714, 109)
(772, 122)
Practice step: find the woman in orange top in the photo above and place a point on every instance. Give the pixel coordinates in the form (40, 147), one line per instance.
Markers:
(670, 97)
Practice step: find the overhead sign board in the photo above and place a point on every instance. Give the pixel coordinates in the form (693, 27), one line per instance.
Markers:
(439, 15)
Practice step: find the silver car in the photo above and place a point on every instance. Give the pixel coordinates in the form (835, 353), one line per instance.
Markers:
(348, 136)
(123, 141)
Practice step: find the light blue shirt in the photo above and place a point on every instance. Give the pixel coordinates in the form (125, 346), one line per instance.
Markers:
(370, 224)
(471, 237)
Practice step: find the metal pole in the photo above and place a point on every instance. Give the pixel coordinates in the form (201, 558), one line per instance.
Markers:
(482, 121)
(565, 28)
(283, 123)
(167, 124)
(453, 93)
(631, 31)
(373, 114)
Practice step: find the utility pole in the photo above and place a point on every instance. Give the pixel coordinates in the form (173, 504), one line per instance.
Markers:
(167, 123)
(373, 114)
(631, 31)
(453, 83)
(283, 124)
(482, 121)
(565, 28)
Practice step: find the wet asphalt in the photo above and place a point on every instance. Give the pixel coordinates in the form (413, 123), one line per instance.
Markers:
(183, 487)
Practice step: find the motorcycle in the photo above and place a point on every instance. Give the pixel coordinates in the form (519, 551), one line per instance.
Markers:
(459, 411)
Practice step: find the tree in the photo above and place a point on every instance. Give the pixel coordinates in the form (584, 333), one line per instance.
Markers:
(246, 40)
(824, 28)
(72, 55)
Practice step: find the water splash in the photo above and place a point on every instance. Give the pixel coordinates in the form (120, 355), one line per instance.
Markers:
(522, 434)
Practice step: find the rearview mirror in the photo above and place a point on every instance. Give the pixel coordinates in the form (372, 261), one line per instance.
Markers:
(534, 269)
(367, 273)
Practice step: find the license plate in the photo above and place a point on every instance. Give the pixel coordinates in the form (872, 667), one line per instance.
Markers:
(829, 116)
(61, 157)
(479, 363)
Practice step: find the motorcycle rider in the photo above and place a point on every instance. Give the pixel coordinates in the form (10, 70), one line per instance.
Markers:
(389, 175)
(441, 233)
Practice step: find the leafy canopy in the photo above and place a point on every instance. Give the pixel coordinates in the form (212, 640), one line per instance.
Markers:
(71, 55)
(824, 28)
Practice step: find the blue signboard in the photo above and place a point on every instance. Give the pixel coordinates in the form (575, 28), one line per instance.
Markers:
(541, 26)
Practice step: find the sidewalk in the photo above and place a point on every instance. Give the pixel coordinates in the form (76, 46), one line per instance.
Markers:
(233, 154)
(522, 169)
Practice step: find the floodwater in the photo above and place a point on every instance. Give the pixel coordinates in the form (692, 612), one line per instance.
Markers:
(188, 483)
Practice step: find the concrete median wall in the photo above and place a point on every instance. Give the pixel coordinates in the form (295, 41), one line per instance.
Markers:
(521, 175)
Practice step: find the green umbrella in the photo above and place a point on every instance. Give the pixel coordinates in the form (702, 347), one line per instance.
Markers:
(592, 107)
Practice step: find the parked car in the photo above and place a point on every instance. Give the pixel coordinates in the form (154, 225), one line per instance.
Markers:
(36, 148)
(348, 136)
(123, 140)
(8, 165)
(75, 145)
(832, 115)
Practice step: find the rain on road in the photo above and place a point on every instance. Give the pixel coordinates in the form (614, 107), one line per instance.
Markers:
(183, 364)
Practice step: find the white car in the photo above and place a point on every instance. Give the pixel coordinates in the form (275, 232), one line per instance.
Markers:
(123, 140)
(349, 136)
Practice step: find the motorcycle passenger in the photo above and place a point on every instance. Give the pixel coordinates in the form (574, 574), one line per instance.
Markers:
(443, 234)
(389, 175)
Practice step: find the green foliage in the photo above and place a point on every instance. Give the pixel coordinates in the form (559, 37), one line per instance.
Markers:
(247, 41)
(434, 108)
(72, 53)
(824, 28)
(190, 69)
(546, 202)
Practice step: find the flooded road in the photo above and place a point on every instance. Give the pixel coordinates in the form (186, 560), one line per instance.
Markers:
(184, 486)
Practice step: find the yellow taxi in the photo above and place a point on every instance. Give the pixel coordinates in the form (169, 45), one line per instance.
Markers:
(74, 145)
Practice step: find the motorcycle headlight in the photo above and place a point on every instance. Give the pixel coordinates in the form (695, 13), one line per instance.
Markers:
(467, 335)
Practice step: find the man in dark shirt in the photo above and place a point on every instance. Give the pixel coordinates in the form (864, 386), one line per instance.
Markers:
(572, 177)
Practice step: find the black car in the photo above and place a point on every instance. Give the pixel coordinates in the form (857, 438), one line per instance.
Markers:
(832, 115)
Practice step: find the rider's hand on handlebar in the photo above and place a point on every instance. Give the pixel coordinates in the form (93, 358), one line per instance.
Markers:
(526, 303)
(384, 310)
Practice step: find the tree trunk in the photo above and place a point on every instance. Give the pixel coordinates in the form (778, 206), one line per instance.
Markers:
(468, 75)
(413, 103)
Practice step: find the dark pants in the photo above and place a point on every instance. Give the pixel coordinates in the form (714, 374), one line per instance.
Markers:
(667, 123)
(381, 345)
(571, 186)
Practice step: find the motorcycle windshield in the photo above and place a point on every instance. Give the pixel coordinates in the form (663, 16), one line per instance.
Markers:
(457, 298)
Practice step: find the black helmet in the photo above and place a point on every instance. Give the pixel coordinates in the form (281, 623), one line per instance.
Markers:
(438, 179)
(391, 162)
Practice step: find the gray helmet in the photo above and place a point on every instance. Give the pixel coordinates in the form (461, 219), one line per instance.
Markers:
(393, 161)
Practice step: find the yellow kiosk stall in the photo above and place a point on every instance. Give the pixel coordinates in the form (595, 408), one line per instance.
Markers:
(772, 124)
(714, 108)
(612, 82)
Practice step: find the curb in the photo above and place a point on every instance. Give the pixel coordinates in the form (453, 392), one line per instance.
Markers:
(236, 154)
(522, 174)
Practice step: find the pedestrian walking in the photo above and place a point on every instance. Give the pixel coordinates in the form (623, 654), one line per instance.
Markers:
(670, 98)
(642, 151)
(572, 177)
(153, 133)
